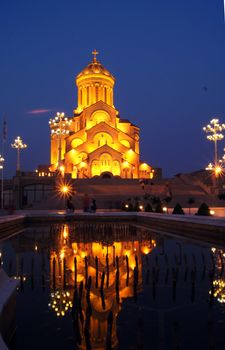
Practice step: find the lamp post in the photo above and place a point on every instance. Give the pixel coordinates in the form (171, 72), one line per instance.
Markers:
(2, 187)
(60, 127)
(19, 145)
(215, 129)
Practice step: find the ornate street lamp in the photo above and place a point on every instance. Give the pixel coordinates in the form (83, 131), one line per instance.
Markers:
(60, 127)
(2, 187)
(19, 145)
(215, 129)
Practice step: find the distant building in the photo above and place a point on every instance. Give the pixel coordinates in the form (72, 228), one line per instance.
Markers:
(96, 141)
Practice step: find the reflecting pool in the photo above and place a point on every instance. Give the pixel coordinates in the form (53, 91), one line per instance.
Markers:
(115, 286)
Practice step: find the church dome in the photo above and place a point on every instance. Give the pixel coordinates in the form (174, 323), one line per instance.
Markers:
(95, 67)
(95, 83)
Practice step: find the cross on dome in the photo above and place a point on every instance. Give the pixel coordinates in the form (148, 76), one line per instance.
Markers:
(95, 53)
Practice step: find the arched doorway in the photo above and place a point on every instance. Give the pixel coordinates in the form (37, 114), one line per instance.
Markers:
(106, 175)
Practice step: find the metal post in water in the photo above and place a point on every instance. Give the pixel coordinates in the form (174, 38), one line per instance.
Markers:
(64, 273)
(128, 270)
(75, 270)
(86, 270)
(96, 271)
(107, 271)
(53, 273)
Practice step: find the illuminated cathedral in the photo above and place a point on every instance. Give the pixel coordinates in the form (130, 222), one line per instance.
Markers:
(96, 141)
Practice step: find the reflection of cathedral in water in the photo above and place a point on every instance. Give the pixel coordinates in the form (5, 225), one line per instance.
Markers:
(91, 276)
(218, 284)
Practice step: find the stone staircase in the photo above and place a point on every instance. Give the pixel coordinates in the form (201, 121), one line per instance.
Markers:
(110, 193)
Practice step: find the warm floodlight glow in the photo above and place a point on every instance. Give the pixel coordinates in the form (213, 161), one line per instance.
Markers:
(217, 169)
(64, 189)
(165, 209)
(212, 212)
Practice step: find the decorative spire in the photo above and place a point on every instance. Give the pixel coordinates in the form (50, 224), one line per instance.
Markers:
(95, 53)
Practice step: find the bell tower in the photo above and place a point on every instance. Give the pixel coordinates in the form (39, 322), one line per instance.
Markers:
(95, 83)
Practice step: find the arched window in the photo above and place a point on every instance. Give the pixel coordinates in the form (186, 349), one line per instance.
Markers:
(126, 143)
(76, 142)
(102, 138)
(105, 162)
(100, 116)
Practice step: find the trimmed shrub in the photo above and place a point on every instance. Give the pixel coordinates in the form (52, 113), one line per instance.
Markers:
(148, 208)
(123, 206)
(191, 201)
(203, 210)
(221, 196)
(130, 208)
(155, 200)
(167, 199)
(178, 209)
(136, 206)
(159, 208)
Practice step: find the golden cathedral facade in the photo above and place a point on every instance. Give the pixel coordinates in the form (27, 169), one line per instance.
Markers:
(96, 141)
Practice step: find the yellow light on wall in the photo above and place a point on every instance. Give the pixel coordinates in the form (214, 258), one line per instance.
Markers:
(125, 164)
(83, 164)
(144, 166)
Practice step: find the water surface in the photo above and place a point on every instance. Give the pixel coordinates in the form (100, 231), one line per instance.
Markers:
(115, 286)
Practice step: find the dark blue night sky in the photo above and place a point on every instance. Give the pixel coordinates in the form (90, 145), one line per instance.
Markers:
(163, 54)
